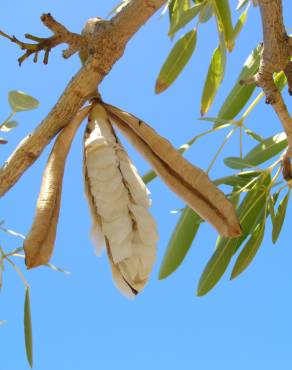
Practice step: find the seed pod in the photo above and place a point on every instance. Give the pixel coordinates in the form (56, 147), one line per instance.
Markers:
(187, 181)
(39, 243)
(118, 201)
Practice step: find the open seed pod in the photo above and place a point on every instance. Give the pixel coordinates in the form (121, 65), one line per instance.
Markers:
(119, 202)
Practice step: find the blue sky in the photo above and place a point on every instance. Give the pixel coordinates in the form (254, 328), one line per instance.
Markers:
(81, 320)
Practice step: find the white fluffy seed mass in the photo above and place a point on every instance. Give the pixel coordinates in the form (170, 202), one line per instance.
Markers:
(119, 202)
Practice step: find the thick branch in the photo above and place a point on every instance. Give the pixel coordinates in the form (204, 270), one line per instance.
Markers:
(107, 47)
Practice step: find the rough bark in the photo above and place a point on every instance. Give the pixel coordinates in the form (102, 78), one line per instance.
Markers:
(106, 47)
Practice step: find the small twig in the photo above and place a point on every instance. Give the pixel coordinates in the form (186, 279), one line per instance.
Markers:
(228, 136)
(17, 269)
(61, 35)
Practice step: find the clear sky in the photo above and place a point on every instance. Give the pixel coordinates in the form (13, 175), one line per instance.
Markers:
(81, 321)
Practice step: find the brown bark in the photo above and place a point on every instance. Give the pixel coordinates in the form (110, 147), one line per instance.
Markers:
(275, 58)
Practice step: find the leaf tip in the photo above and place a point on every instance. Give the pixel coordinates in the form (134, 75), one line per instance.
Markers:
(160, 87)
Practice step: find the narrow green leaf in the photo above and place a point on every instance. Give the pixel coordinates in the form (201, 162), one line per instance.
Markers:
(267, 149)
(149, 176)
(217, 265)
(13, 233)
(249, 212)
(280, 80)
(56, 268)
(241, 4)
(183, 18)
(271, 209)
(8, 126)
(118, 8)
(176, 7)
(223, 14)
(239, 24)
(176, 61)
(235, 196)
(28, 328)
(280, 217)
(239, 180)
(218, 121)
(206, 12)
(250, 249)
(180, 242)
(253, 135)
(236, 163)
(20, 101)
(253, 204)
(240, 94)
(213, 80)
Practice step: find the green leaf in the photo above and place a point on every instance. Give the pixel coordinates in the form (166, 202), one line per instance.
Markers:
(267, 149)
(223, 14)
(234, 197)
(250, 249)
(183, 18)
(13, 233)
(280, 217)
(218, 121)
(149, 176)
(176, 7)
(118, 8)
(280, 80)
(239, 180)
(8, 126)
(239, 24)
(180, 242)
(253, 135)
(240, 94)
(206, 13)
(214, 78)
(241, 4)
(176, 61)
(216, 265)
(236, 163)
(28, 328)
(56, 268)
(20, 101)
(253, 204)
(249, 212)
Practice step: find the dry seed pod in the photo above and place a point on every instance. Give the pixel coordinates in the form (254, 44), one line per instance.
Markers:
(187, 181)
(118, 201)
(39, 243)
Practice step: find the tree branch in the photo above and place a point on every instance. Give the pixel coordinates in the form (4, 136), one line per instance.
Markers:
(275, 58)
(106, 47)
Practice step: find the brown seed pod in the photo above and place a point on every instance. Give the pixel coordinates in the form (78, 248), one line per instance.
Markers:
(186, 180)
(39, 243)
